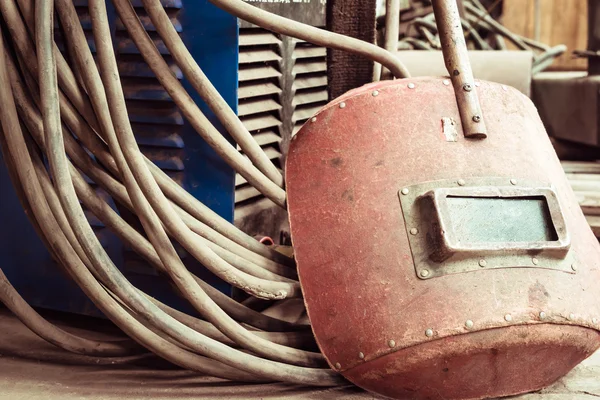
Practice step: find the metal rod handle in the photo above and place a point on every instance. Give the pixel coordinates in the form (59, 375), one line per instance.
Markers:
(457, 62)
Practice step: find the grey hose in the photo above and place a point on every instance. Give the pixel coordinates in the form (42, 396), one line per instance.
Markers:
(84, 112)
(313, 35)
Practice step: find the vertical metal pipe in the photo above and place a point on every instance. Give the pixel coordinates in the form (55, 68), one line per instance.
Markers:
(458, 65)
(392, 25)
(392, 32)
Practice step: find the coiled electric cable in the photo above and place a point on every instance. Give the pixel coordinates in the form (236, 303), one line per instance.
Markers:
(17, 151)
(145, 308)
(103, 265)
(187, 202)
(122, 132)
(130, 237)
(76, 116)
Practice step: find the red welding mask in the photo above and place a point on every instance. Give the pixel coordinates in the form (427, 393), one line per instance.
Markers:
(436, 266)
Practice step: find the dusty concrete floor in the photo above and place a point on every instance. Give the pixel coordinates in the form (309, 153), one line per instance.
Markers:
(29, 370)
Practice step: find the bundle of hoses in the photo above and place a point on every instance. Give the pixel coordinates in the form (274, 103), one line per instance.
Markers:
(482, 32)
(72, 117)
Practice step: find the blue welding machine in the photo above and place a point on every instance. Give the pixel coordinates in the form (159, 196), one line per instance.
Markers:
(164, 136)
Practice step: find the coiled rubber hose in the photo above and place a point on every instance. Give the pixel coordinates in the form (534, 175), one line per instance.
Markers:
(73, 114)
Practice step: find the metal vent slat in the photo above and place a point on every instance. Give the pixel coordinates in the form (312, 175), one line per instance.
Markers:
(272, 153)
(246, 192)
(150, 114)
(165, 159)
(165, 3)
(158, 135)
(261, 71)
(310, 52)
(261, 122)
(575, 167)
(149, 26)
(239, 180)
(312, 81)
(267, 137)
(258, 89)
(310, 67)
(305, 113)
(255, 56)
(308, 97)
(145, 90)
(257, 106)
(139, 69)
(297, 127)
(250, 37)
(127, 46)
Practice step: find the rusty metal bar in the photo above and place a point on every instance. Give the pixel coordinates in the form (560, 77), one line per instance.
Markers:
(457, 62)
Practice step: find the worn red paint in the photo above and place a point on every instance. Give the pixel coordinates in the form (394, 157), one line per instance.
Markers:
(344, 172)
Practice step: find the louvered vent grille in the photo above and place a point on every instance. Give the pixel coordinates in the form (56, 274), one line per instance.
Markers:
(310, 82)
(259, 96)
(283, 82)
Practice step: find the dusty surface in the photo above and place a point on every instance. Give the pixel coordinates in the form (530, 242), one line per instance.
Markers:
(29, 370)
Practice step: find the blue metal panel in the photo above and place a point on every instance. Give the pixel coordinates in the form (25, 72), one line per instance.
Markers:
(164, 136)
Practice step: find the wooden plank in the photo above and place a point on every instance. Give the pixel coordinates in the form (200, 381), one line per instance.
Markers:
(562, 22)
